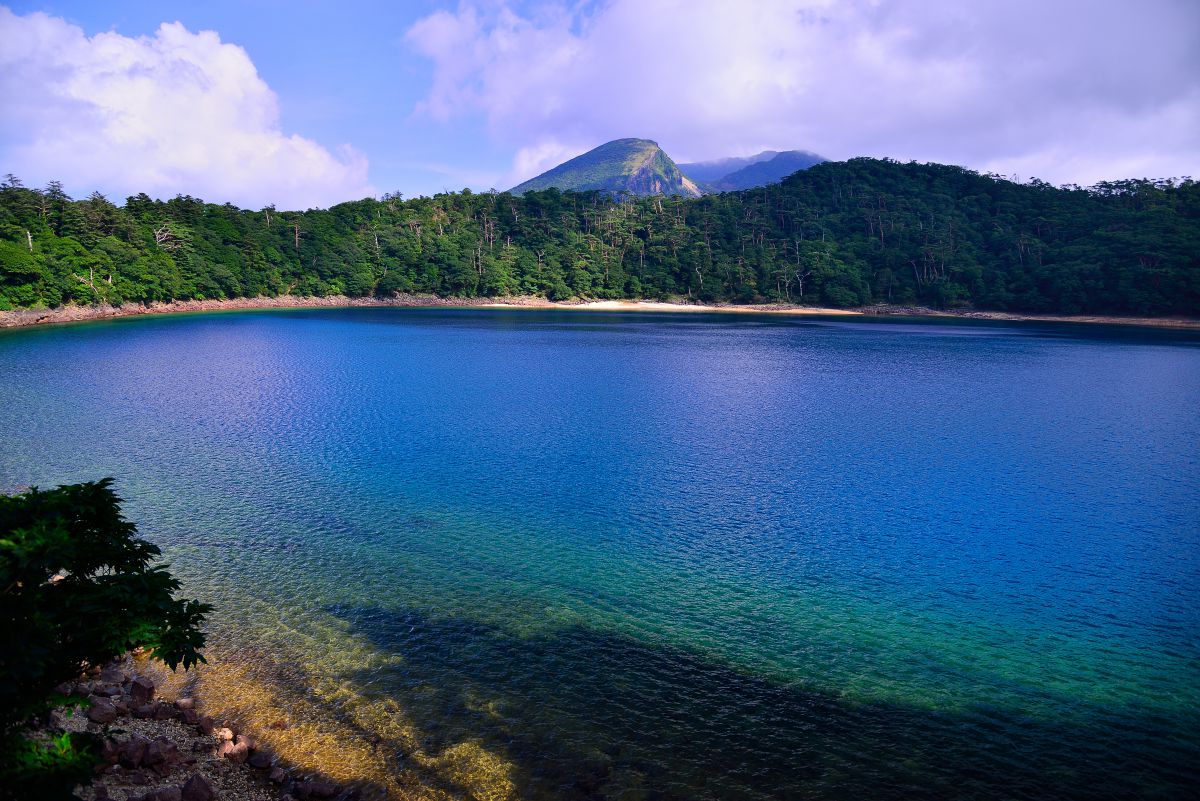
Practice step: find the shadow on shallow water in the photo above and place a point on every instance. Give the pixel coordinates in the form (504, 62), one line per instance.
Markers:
(585, 714)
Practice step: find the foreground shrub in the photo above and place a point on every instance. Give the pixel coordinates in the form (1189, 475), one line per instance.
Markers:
(77, 588)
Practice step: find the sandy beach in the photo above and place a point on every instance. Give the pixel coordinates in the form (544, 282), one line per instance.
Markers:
(19, 318)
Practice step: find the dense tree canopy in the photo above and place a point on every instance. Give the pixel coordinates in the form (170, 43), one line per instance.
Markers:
(839, 234)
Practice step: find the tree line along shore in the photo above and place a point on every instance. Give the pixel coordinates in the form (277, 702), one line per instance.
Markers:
(840, 235)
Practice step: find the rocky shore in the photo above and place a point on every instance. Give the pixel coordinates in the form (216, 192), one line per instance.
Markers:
(157, 750)
(19, 318)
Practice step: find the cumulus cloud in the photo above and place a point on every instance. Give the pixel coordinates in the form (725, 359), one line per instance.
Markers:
(1071, 91)
(176, 112)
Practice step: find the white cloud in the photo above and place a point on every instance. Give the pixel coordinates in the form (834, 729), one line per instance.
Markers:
(1072, 91)
(176, 112)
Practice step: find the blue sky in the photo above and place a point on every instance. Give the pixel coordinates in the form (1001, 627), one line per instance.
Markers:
(301, 104)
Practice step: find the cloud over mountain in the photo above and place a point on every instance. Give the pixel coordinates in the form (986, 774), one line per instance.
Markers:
(176, 112)
(1070, 91)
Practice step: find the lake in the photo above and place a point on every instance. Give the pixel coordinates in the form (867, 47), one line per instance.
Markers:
(572, 555)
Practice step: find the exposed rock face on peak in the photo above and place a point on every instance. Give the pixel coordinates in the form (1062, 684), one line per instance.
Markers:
(633, 166)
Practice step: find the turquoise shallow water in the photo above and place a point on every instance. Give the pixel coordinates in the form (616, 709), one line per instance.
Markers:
(668, 556)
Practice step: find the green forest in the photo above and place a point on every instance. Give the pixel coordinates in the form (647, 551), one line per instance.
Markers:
(840, 234)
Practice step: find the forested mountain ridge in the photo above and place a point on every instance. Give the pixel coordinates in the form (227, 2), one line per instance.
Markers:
(838, 234)
(622, 166)
(705, 171)
(747, 172)
(766, 171)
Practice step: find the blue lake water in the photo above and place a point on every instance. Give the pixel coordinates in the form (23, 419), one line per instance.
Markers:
(535, 554)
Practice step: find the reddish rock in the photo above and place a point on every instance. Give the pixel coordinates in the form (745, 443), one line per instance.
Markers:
(197, 788)
(162, 755)
(110, 751)
(141, 691)
(242, 738)
(163, 711)
(205, 724)
(260, 759)
(102, 711)
(112, 675)
(278, 725)
(144, 711)
(224, 733)
(277, 775)
(133, 751)
(235, 752)
(121, 705)
(189, 717)
(185, 703)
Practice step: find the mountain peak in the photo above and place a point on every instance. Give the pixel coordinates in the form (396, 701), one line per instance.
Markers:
(635, 166)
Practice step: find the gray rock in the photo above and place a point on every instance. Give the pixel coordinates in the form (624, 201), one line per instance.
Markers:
(260, 759)
(144, 711)
(277, 775)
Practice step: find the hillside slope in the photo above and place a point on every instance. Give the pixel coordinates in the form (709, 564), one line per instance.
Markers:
(636, 166)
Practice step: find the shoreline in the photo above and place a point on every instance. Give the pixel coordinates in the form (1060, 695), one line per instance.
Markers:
(158, 745)
(24, 318)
